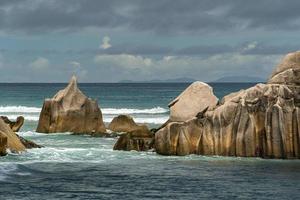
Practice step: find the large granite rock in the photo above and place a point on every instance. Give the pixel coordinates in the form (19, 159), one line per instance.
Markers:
(262, 121)
(71, 111)
(9, 140)
(194, 99)
(135, 137)
(288, 70)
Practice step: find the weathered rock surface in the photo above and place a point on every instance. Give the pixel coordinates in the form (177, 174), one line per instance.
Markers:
(71, 111)
(15, 126)
(262, 121)
(136, 137)
(125, 123)
(9, 139)
(288, 71)
(3, 144)
(194, 99)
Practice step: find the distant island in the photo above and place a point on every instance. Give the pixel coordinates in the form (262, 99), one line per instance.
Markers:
(225, 79)
(239, 79)
(175, 80)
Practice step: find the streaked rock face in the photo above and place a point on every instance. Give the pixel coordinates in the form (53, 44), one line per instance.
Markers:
(262, 121)
(71, 111)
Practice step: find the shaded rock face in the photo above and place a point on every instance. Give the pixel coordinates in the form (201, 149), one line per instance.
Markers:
(9, 139)
(15, 126)
(136, 137)
(136, 140)
(71, 111)
(3, 144)
(197, 97)
(262, 121)
(28, 143)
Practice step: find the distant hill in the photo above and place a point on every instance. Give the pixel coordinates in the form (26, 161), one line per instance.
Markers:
(239, 79)
(175, 80)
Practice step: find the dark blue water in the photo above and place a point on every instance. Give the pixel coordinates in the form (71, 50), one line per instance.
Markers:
(81, 167)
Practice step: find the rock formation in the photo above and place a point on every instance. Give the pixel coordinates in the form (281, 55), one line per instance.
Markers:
(3, 144)
(136, 137)
(9, 140)
(197, 97)
(15, 126)
(262, 121)
(71, 111)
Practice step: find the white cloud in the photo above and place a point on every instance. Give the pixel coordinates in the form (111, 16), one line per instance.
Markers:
(202, 68)
(250, 46)
(124, 60)
(75, 64)
(40, 63)
(105, 43)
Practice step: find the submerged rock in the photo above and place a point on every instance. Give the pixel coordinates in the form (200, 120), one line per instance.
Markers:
(262, 121)
(28, 143)
(15, 126)
(136, 137)
(71, 111)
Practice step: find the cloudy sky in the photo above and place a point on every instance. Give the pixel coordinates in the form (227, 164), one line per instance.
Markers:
(108, 40)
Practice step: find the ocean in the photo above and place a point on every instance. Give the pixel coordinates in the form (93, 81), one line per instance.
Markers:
(83, 167)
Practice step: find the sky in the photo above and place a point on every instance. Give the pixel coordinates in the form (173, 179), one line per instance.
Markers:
(141, 40)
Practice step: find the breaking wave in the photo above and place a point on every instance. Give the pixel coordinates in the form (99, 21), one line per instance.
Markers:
(112, 111)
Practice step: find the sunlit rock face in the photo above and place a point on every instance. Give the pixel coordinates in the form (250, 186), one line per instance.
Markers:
(9, 140)
(71, 111)
(262, 121)
(194, 99)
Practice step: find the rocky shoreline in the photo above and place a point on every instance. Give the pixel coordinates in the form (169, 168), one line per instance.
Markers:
(261, 121)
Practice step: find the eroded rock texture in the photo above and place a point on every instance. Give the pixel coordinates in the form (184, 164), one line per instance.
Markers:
(9, 139)
(71, 111)
(14, 125)
(136, 137)
(262, 121)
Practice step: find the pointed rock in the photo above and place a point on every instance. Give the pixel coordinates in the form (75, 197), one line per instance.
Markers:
(71, 111)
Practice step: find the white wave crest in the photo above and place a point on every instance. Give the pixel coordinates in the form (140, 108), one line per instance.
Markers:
(26, 109)
(19, 109)
(115, 111)
(147, 120)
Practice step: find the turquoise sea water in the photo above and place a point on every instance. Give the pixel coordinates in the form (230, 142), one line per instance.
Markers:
(82, 167)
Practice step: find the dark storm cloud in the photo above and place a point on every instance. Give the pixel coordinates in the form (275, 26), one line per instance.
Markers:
(163, 16)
